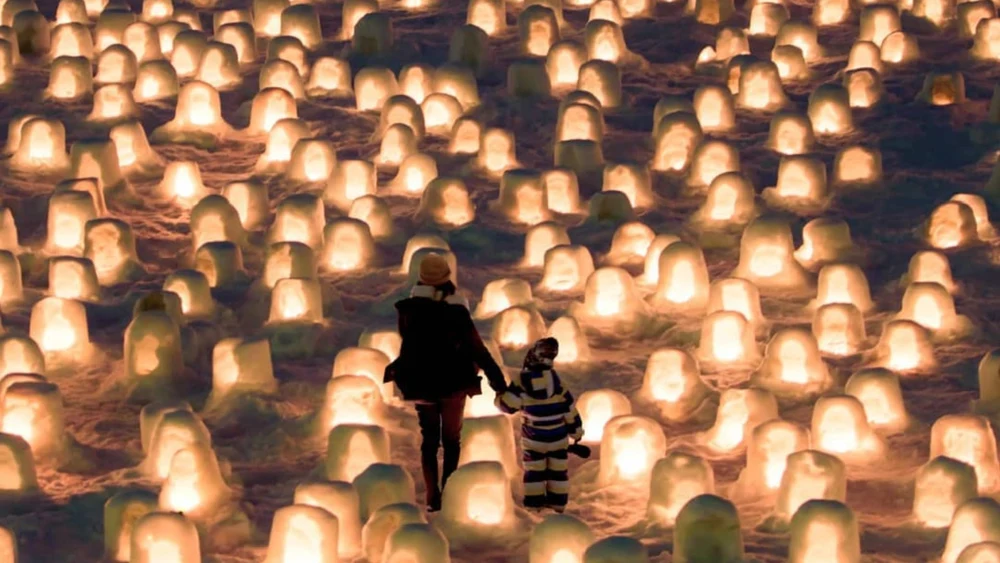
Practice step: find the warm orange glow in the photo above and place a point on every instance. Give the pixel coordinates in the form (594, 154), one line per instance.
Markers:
(942, 485)
(296, 300)
(810, 475)
(768, 449)
(351, 399)
(630, 447)
(727, 338)
(760, 87)
(675, 480)
(975, 521)
(59, 325)
(969, 439)
(348, 245)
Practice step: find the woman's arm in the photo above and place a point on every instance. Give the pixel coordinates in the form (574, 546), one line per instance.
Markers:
(481, 355)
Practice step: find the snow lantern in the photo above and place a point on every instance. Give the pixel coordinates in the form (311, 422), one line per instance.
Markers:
(630, 243)
(766, 19)
(68, 212)
(518, 327)
(373, 86)
(843, 283)
(17, 467)
(219, 66)
(194, 292)
(296, 300)
(825, 240)
(446, 202)
(348, 245)
(383, 523)
(830, 12)
(113, 102)
(830, 110)
(673, 381)
(351, 399)
(121, 513)
(350, 180)
(242, 365)
(71, 39)
(839, 329)
(584, 158)
(607, 10)
(707, 529)
(194, 484)
(930, 266)
(311, 160)
(573, 345)
(329, 76)
(158, 535)
(418, 543)
(766, 256)
(683, 280)
(610, 298)
(108, 31)
(33, 410)
(352, 448)
(985, 46)
(186, 52)
(250, 201)
(488, 15)
(477, 500)
(597, 407)
(713, 105)
(302, 22)
(905, 346)
(73, 278)
(109, 244)
(633, 180)
(801, 183)
(152, 349)
(651, 261)
(970, 16)
(840, 427)
(20, 354)
(711, 159)
(398, 142)
(283, 74)
(824, 531)
(562, 190)
(729, 202)
(976, 520)
(368, 362)
(198, 114)
(989, 381)
(419, 242)
(288, 260)
(605, 41)
(496, 152)
(942, 485)
(567, 268)
(303, 533)
(299, 218)
(74, 11)
(602, 79)
(864, 55)
(134, 153)
(522, 196)
(969, 439)
(537, 30)
(42, 147)
(182, 183)
(155, 80)
(792, 364)
(559, 538)
(489, 438)
(727, 338)
(790, 62)
(877, 22)
(977, 204)
(270, 106)
(385, 340)
(340, 500)
(502, 294)
(857, 165)
(900, 47)
(800, 34)
(791, 133)
(864, 87)
(932, 307)
(810, 475)
(579, 121)
(214, 219)
(676, 479)
(375, 212)
(540, 239)
(416, 82)
(283, 135)
(563, 61)
(404, 110)
(59, 326)
(69, 78)
(383, 485)
(630, 446)
(760, 87)
(769, 445)
(943, 89)
(738, 295)
(240, 36)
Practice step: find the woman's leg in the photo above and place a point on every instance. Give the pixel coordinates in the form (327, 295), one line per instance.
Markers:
(429, 417)
(452, 413)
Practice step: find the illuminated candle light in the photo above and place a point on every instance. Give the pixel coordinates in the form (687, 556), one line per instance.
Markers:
(398, 143)
(830, 110)
(766, 19)
(283, 135)
(302, 22)
(416, 81)
(790, 62)
(942, 485)
(969, 439)
(296, 301)
(214, 219)
(69, 78)
(975, 521)
(630, 447)
(633, 180)
(840, 427)
(458, 81)
(760, 87)
(110, 27)
(159, 535)
(72, 11)
(194, 484)
(198, 118)
(929, 266)
(487, 15)
(830, 12)
(563, 61)
(683, 280)
(766, 257)
(42, 147)
(171, 428)
(279, 73)
(977, 204)
(502, 294)
(826, 241)
(241, 366)
(540, 239)
(299, 218)
(348, 245)
(932, 307)
(602, 79)
(373, 86)
(240, 36)
(311, 160)
(270, 106)
(490, 438)
(605, 41)
(329, 77)
(566, 268)
(792, 365)
(597, 407)
(969, 17)
(537, 30)
(802, 35)
(59, 326)
(497, 152)
(155, 80)
(905, 346)
(791, 134)
(288, 260)
(446, 202)
(727, 338)
(186, 52)
(303, 533)
(33, 411)
(110, 245)
(517, 328)
(559, 538)
(121, 513)
(522, 197)
(610, 300)
(383, 523)
(839, 329)
(17, 468)
(352, 448)
(900, 47)
(810, 475)
(877, 22)
(68, 213)
(351, 399)
(801, 185)
(20, 354)
(383, 485)
(768, 447)
(73, 278)
(824, 531)
(677, 479)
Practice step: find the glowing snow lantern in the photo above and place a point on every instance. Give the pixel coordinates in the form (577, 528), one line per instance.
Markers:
(33, 410)
(977, 204)
(296, 300)
(675, 480)
(121, 513)
(791, 134)
(839, 329)
(421, 242)
(982, 552)
(109, 244)
(447, 203)
(830, 12)
(368, 362)
(11, 287)
(766, 256)
(840, 427)
(373, 86)
(566, 268)
(69, 78)
(767, 18)
(864, 87)
(900, 47)
(402, 109)
(279, 73)
(604, 41)
(398, 143)
(164, 537)
(630, 447)
(383, 485)
(989, 382)
(537, 30)
(824, 241)
(489, 438)
(383, 523)
(843, 283)
(864, 55)
(182, 182)
(352, 448)
(502, 294)
(442, 113)
(707, 528)
(768, 448)
(135, 156)
(59, 326)
(416, 81)
(113, 102)
(603, 80)
(194, 484)
(42, 147)
(496, 153)
(969, 439)
(523, 197)
(737, 295)
(299, 218)
(672, 380)
(340, 500)
(351, 399)
(563, 61)
(116, 65)
(824, 531)
(198, 116)
(942, 485)
(610, 299)
(877, 22)
(288, 260)
(711, 159)
(487, 15)
(830, 110)
(20, 354)
(270, 106)
(73, 278)
(792, 364)
(930, 266)
(559, 538)
(683, 280)
(727, 338)
(283, 135)
(985, 45)
(155, 80)
(186, 52)
(214, 219)
(302, 22)
(68, 213)
(303, 533)
(790, 62)
(801, 184)
(416, 171)
(729, 203)
(329, 76)
(905, 346)
(597, 407)
(760, 87)
(630, 243)
(857, 166)
(240, 36)
(810, 475)
(193, 289)
(632, 180)
(221, 262)
(579, 121)
(242, 366)
(802, 35)
(517, 327)
(152, 350)
(651, 261)
(975, 521)
(71, 40)
(348, 245)
(606, 10)
(311, 160)
(932, 307)
(969, 17)
(75, 11)
(540, 239)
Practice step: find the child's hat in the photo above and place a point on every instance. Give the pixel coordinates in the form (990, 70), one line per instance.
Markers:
(545, 349)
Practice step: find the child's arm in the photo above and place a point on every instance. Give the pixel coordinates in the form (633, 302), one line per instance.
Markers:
(510, 400)
(574, 426)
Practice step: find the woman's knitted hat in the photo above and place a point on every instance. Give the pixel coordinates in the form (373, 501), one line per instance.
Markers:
(434, 270)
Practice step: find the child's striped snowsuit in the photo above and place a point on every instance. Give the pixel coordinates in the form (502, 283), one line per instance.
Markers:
(550, 419)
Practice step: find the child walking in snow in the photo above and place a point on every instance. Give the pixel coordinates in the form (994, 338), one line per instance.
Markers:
(549, 421)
